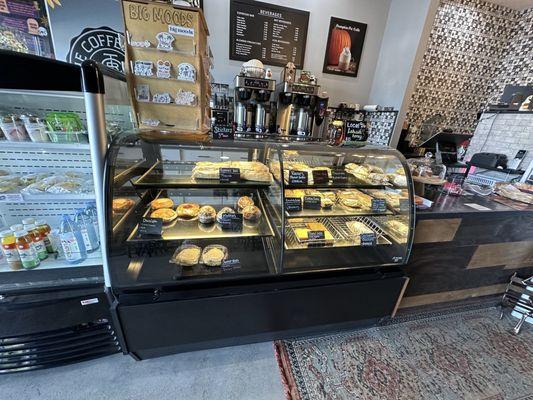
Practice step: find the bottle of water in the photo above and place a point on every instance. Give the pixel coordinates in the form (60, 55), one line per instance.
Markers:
(91, 211)
(87, 230)
(71, 241)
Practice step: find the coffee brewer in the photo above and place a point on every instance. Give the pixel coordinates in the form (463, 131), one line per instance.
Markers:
(252, 104)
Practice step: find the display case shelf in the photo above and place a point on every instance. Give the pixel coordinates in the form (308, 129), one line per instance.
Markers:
(44, 146)
(335, 211)
(93, 259)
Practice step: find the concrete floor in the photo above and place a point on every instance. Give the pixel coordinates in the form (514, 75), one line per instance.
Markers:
(241, 372)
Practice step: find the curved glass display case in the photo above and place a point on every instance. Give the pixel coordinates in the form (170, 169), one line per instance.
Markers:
(181, 212)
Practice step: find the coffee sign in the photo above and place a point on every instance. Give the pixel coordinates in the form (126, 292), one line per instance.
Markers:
(103, 45)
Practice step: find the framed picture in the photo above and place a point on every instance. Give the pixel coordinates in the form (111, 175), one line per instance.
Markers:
(344, 47)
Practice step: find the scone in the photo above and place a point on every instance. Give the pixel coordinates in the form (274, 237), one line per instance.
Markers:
(224, 210)
(166, 214)
(326, 202)
(122, 205)
(214, 256)
(163, 202)
(188, 210)
(189, 256)
(251, 213)
(244, 202)
(207, 215)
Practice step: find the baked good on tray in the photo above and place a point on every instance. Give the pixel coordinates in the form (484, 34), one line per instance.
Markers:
(354, 199)
(244, 202)
(122, 205)
(249, 170)
(166, 214)
(189, 256)
(188, 210)
(207, 215)
(251, 213)
(162, 202)
(224, 210)
(214, 255)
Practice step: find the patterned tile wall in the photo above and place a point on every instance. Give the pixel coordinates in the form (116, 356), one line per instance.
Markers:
(468, 40)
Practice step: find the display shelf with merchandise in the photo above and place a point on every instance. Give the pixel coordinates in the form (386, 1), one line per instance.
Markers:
(54, 262)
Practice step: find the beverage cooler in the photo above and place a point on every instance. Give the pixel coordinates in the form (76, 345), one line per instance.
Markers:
(217, 243)
(55, 120)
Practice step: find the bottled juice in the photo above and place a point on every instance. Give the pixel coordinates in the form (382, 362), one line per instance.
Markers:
(72, 241)
(28, 255)
(38, 241)
(86, 226)
(45, 230)
(9, 248)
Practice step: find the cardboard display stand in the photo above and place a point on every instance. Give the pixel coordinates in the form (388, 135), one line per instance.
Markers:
(167, 65)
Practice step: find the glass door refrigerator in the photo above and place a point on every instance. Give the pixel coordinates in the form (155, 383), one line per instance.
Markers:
(55, 120)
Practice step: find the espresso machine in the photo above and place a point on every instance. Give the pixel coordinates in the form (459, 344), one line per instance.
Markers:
(252, 104)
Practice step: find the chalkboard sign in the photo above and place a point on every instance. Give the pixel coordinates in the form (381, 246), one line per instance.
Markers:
(320, 176)
(404, 205)
(312, 202)
(339, 176)
(316, 235)
(227, 175)
(379, 205)
(223, 132)
(271, 33)
(231, 222)
(220, 117)
(151, 227)
(298, 177)
(293, 204)
(368, 239)
(233, 264)
(356, 131)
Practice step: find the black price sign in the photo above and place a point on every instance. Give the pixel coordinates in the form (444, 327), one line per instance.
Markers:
(151, 227)
(320, 176)
(316, 235)
(298, 177)
(356, 131)
(404, 205)
(379, 205)
(221, 118)
(227, 175)
(368, 239)
(339, 176)
(223, 132)
(293, 204)
(230, 265)
(312, 202)
(231, 222)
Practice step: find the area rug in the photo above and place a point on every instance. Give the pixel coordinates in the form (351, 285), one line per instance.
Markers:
(468, 355)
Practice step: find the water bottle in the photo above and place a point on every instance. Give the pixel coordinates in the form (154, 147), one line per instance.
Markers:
(71, 241)
(86, 226)
(93, 213)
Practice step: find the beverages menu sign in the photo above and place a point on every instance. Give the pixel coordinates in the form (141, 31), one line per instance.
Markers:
(273, 34)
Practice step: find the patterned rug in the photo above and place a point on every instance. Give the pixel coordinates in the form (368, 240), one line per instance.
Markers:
(469, 355)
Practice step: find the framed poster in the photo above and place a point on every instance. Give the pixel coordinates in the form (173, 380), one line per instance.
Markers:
(24, 27)
(344, 47)
(271, 33)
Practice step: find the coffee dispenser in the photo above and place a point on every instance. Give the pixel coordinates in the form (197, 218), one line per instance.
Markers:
(252, 104)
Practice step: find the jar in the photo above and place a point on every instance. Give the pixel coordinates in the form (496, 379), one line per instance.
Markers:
(13, 128)
(28, 255)
(9, 249)
(38, 241)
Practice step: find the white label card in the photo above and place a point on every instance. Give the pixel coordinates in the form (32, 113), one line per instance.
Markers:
(181, 30)
(477, 207)
(89, 301)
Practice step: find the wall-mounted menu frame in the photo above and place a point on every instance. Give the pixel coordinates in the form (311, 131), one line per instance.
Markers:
(271, 33)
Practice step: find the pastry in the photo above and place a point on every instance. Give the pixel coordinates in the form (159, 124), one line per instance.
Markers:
(398, 227)
(225, 210)
(166, 214)
(162, 202)
(122, 205)
(326, 202)
(214, 256)
(357, 228)
(244, 201)
(303, 233)
(188, 210)
(189, 256)
(355, 199)
(207, 215)
(251, 213)
(330, 195)
(294, 193)
(249, 170)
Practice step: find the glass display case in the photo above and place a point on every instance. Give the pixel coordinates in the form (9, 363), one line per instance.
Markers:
(221, 210)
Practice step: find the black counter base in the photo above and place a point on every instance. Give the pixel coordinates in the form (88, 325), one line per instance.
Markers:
(161, 328)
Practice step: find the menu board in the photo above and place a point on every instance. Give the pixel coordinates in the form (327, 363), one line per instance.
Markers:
(273, 34)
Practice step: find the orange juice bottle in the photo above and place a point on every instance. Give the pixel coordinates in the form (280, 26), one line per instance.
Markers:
(38, 241)
(28, 255)
(9, 248)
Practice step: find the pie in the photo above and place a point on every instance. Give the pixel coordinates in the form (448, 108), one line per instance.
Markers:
(162, 202)
(166, 214)
(188, 210)
(122, 205)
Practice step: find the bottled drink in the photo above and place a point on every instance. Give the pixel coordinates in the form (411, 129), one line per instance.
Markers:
(28, 255)
(87, 230)
(91, 211)
(9, 248)
(71, 241)
(38, 241)
(45, 230)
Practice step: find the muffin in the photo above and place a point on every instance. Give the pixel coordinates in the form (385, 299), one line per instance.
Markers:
(251, 213)
(244, 202)
(162, 202)
(207, 215)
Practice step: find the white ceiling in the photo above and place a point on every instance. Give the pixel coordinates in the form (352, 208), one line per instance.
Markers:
(516, 4)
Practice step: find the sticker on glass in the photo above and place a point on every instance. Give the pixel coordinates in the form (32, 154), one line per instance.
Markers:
(164, 41)
(143, 93)
(151, 122)
(142, 43)
(163, 69)
(185, 98)
(181, 30)
(143, 68)
(186, 72)
(162, 98)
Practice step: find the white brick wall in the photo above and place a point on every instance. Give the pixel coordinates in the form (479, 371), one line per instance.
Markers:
(503, 134)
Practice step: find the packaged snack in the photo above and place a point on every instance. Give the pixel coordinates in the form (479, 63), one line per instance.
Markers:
(186, 255)
(35, 127)
(63, 122)
(13, 128)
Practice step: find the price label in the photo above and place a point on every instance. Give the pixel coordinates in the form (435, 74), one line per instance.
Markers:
(379, 205)
(221, 118)
(316, 235)
(233, 264)
(320, 176)
(339, 176)
(404, 205)
(293, 204)
(11, 198)
(368, 239)
(227, 175)
(151, 227)
(312, 202)
(223, 132)
(231, 222)
(298, 177)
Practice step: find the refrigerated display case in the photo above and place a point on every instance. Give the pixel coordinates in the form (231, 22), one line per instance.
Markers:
(217, 243)
(55, 122)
